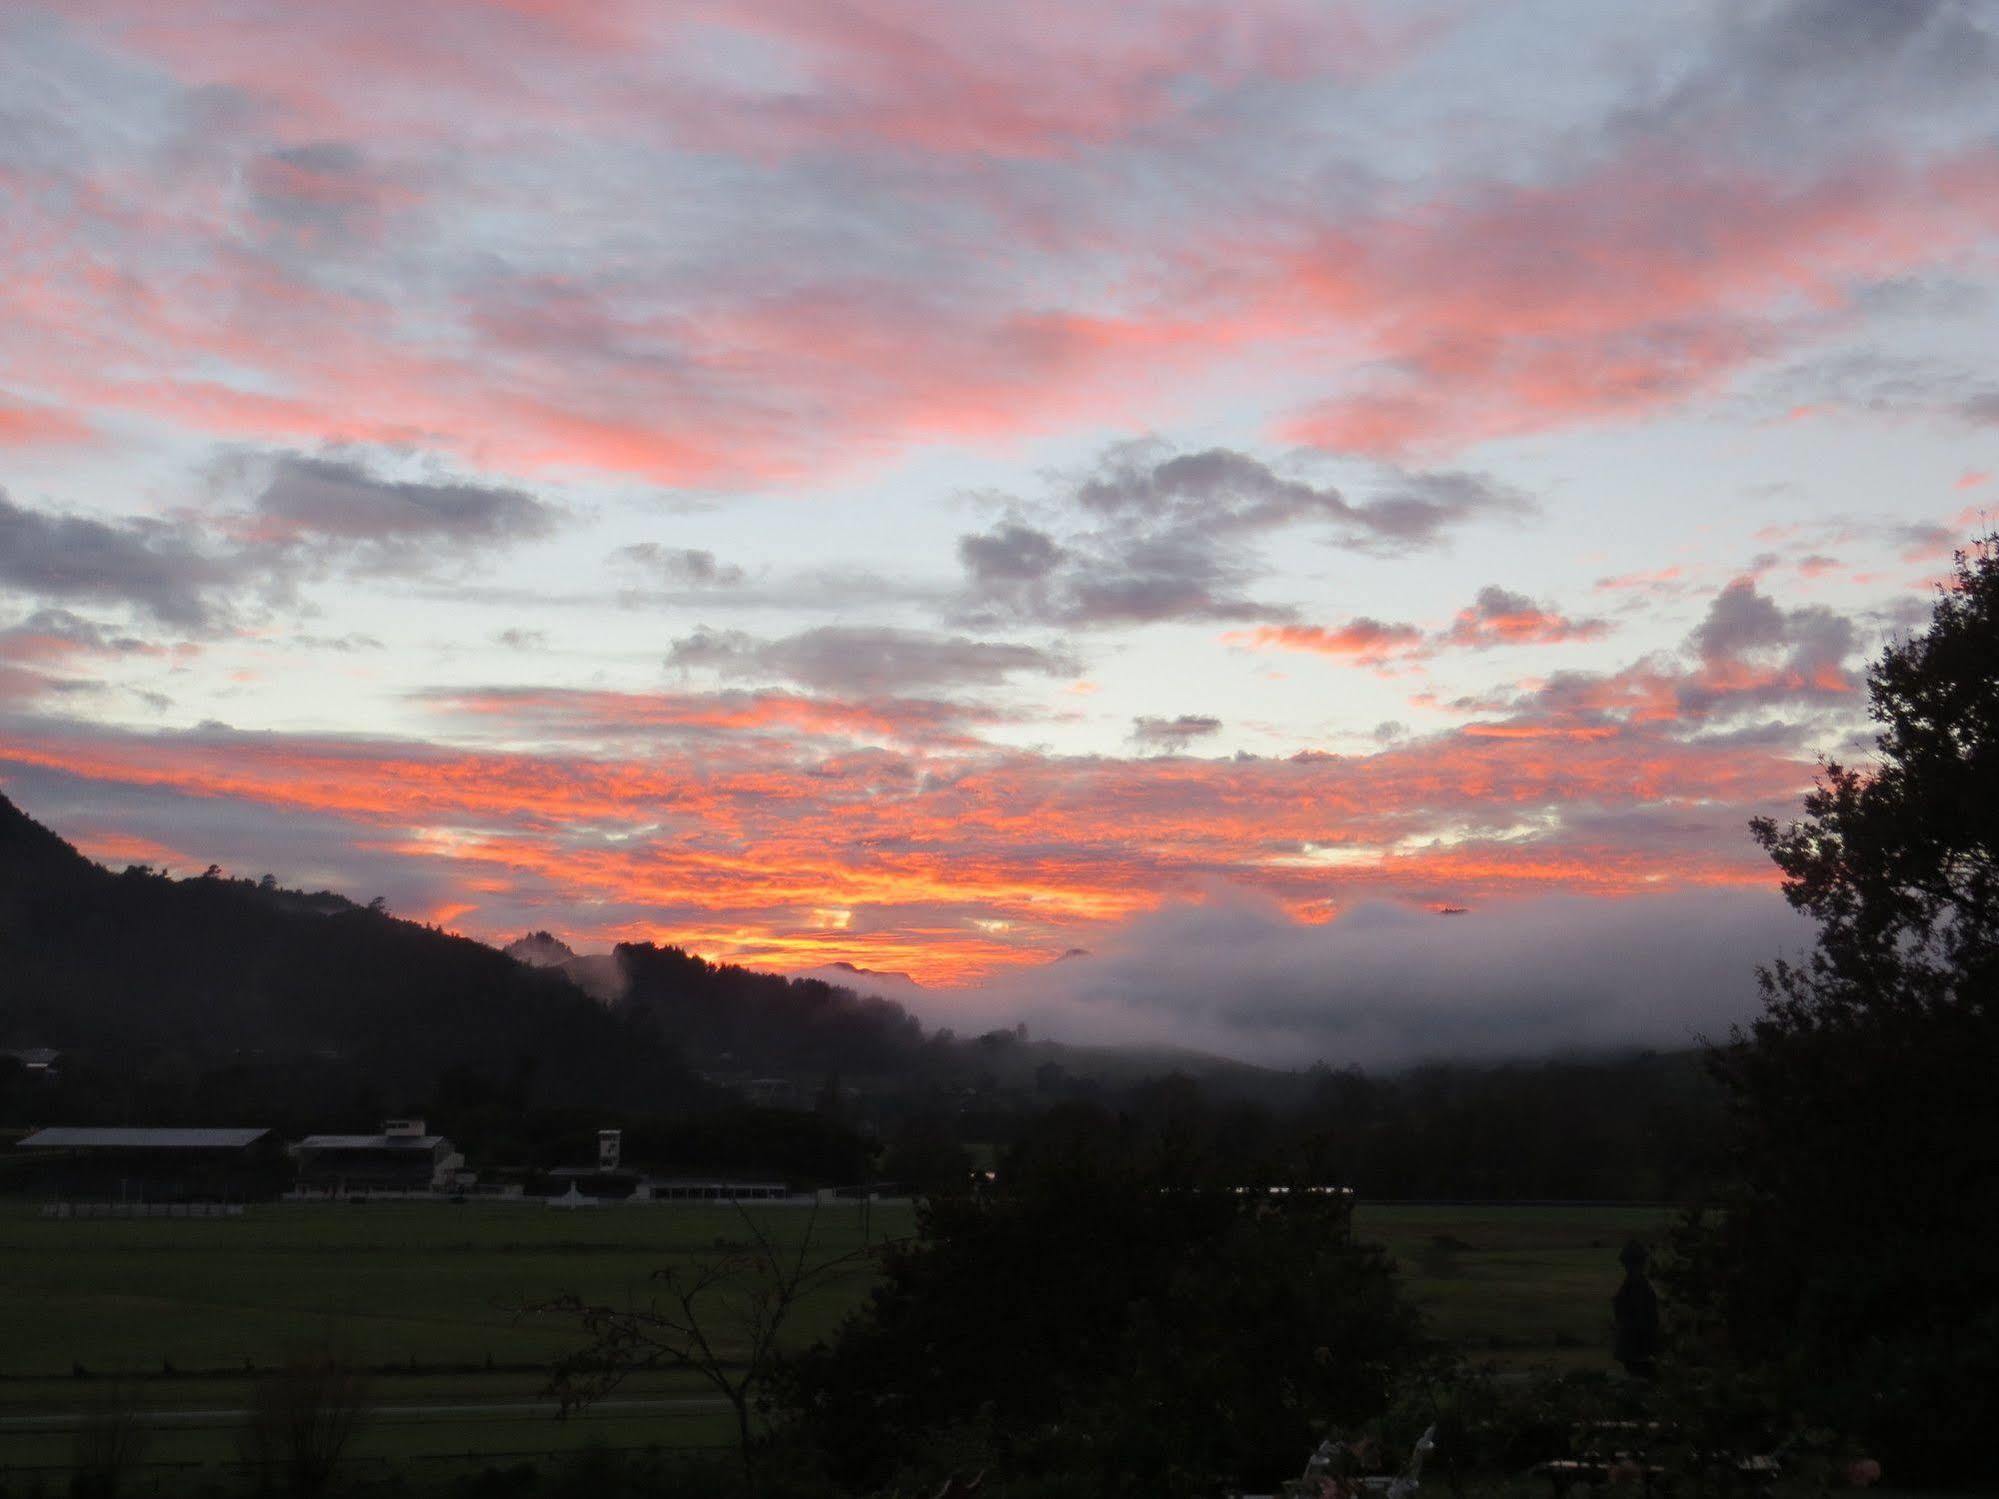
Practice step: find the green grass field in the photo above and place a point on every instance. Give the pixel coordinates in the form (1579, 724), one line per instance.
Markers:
(1520, 1285)
(433, 1293)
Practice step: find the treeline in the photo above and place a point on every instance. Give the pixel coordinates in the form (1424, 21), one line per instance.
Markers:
(765, 1023)
(1638, 1128)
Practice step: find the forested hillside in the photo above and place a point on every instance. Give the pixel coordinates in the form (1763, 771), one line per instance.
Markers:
(214, 1000)
(189, 975)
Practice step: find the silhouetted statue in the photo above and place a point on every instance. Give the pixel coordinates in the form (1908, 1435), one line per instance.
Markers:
(1635, 1309)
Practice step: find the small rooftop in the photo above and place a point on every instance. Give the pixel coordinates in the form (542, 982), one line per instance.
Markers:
(371, 1142)
(63, 1137)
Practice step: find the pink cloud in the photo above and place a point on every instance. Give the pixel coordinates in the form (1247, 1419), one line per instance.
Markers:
(1367, 642)
(1497, 617)
(27, 423)
(1500, 617)
(1656, 580)
(765, 77)
(1619, 292)
(977, 296)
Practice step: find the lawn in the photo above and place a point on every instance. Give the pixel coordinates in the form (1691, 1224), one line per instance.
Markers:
(1519, 1285)
(412, 1284)
(428, 1297)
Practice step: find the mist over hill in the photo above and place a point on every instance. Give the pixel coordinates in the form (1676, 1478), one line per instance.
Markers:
(212, 970)
(214, 1000)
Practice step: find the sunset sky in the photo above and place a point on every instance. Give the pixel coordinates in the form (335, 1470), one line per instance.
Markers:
(938, 487)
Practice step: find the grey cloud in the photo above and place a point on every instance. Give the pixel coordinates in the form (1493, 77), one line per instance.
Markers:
(1416, 509)
(355, 640)
(320, 194)
(684, 567)
(1009, 553)
(1386, 985)
(1160, 580)
(1739, 619)
(864, 659)
(1922, 297)
(1172, 733)
(1494, 601)
(32, 649)
(75, 631)
(1149, 535)
(157, 567)
(521, 640)
(1980, 410)
(1799, 76)
(1219, 490)
(308, 514)
(1884, 386)
(336, 503)
(1220, 493)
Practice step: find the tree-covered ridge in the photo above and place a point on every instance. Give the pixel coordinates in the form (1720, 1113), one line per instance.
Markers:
(210, 970)
(214, 1000)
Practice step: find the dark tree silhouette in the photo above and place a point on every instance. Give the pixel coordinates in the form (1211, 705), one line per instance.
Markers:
(110, 1442)
(1856, 1253)
(1899, 863)
(303, 1415)
(721, 1317)
(1093, 1324)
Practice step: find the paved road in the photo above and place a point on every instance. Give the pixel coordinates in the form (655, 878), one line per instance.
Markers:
(691, 1404)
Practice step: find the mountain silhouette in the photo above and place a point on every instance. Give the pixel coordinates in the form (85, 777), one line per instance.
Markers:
(210, 970)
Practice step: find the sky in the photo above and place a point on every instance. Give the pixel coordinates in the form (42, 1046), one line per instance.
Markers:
(1305, 529)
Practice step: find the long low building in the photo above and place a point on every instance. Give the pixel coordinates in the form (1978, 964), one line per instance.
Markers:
(402, 1158)
(156, 1165)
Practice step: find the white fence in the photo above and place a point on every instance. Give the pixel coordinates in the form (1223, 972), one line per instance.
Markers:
(142, 1210)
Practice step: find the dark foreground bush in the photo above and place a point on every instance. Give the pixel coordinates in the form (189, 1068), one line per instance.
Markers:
(1100, 1334)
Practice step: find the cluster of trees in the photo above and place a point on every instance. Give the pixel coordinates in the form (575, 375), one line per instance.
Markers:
(1619, 1129)
(765, 1023)
(1851, 1253)
(1091, 1332)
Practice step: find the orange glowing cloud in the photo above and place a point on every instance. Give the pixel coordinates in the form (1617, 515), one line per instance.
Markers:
(1499, 617)
(1368, 642)
(792, 852)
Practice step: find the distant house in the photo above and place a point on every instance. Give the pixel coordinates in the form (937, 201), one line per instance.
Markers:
(154, 1165)
(402, 1158)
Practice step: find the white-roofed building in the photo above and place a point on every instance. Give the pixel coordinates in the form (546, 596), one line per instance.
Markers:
(404, 1157)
